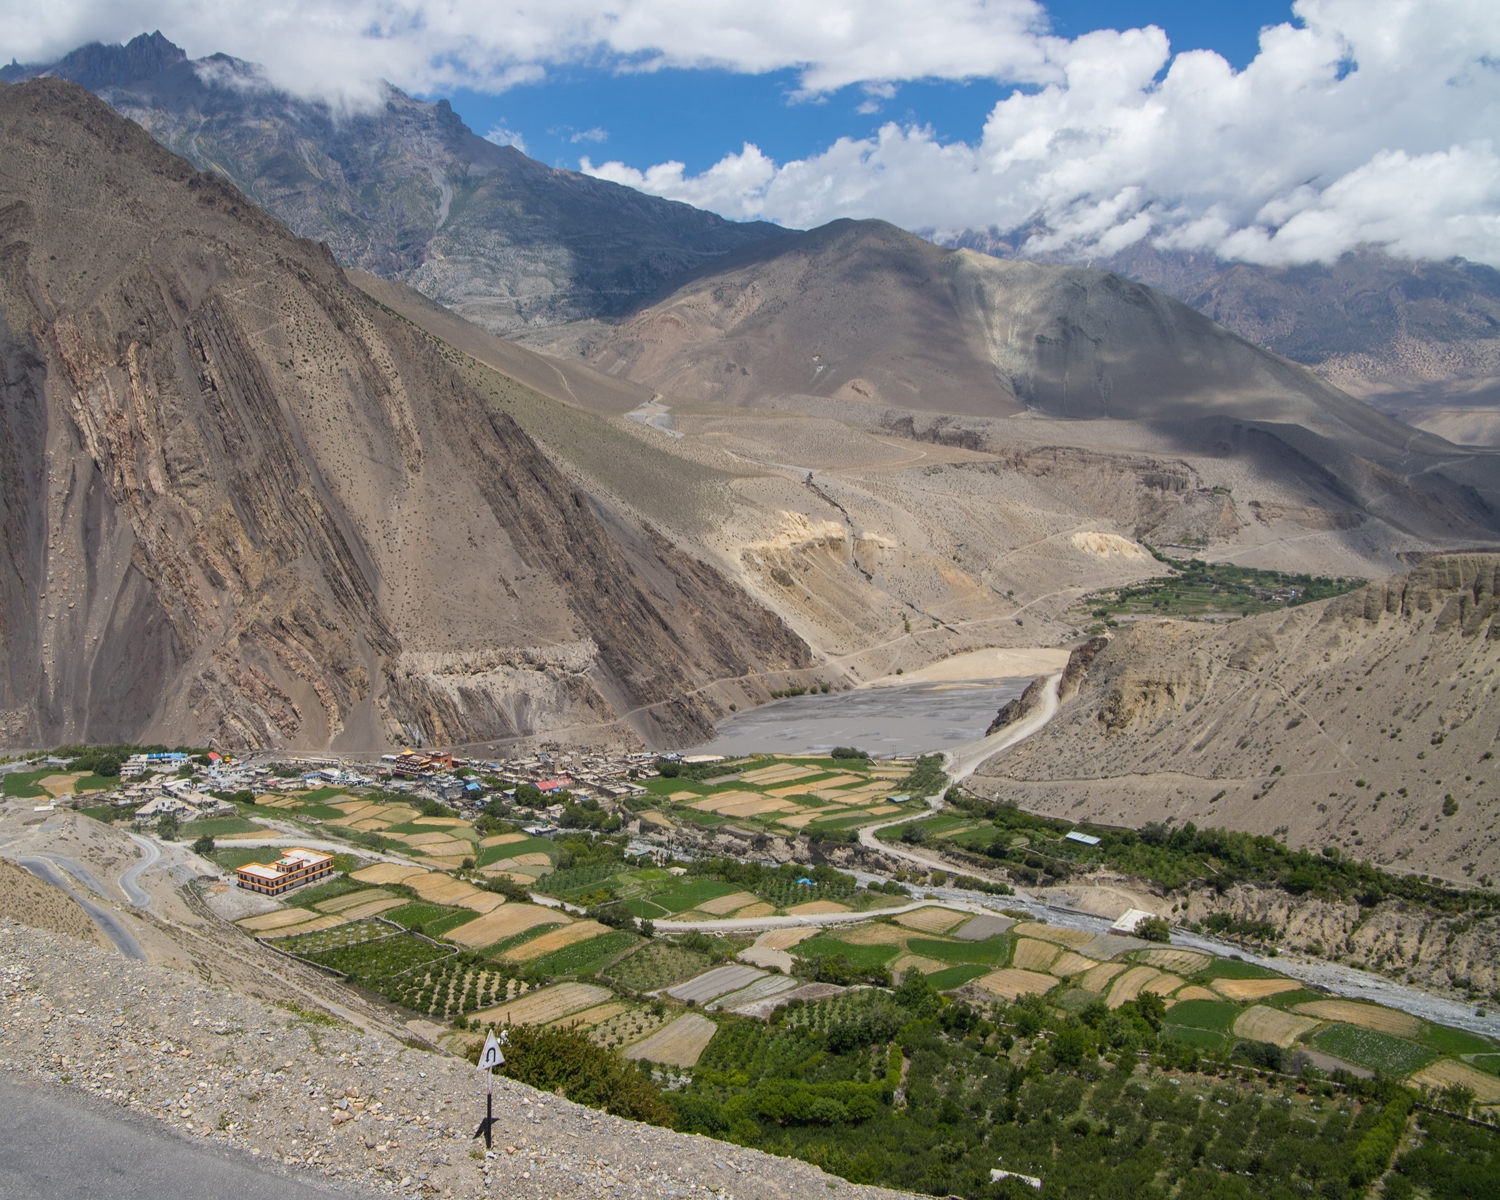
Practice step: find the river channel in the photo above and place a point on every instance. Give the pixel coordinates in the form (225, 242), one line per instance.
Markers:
(915, 718)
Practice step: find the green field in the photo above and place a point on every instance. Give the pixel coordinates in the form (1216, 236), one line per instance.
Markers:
(371, 961)
(21, 785)
(994, 952)
(1456, 1041)
(229, 856)
(1234, 968)
(1198, 587)
(1218, 1015)
(1191, 1035)
(689, 893)
(658, 964)
(307, 944)
(339, 885)
(493, 854)
(449, 923)
(1488, 1062)
(418, 914)
(952, 977)
(585, 957)
(861, 958)
(1371, 1050)
(221, 827)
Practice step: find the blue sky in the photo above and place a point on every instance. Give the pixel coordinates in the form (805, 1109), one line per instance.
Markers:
(697, 116)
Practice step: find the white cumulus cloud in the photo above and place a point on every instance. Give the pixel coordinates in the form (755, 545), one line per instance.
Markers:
(1363, 121)
(1373, 122)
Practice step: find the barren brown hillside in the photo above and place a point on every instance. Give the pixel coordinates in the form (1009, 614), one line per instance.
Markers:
(242, 501)
(1367, 722)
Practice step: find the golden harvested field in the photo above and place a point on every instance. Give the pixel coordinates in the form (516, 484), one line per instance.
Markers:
(681, 1043)
(372, 908)
(925, 965)
(1012, 982)
(590, 1017)
(1163, 985)
(781, 793)
(728, 904)
(813, 907)
(547, 1005)
(754, 808)
(1179, 962)
(365, 824)
(870, 935)
(1196, 993)
(536, 858)
(503, 839)
(1262, 1024)
(784, 939)
(1254, 989)
(422, 839)
(443, 889)
(270, 801)
(566, 935)
(781, 773)
(322, 922)
(351, 900)
(277, 920)
(448, 821)
(931, 920)
(449, 862)
(1096, 979)
(1032, 955)
(799, 820)
(881, 809)
(1366, 1016)
(504, 922)
(761, 909)
(723, 799)
(1068, 963)
(1446, 1072)
(386, 873)
(1072, 938)
(1128, 986)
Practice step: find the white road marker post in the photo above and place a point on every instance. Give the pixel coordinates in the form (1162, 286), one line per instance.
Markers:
(490, 1058)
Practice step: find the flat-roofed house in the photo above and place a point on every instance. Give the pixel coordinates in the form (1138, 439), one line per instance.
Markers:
(294, 868)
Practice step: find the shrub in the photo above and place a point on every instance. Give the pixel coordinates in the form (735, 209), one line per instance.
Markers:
(1154, 929)
(566, 1061)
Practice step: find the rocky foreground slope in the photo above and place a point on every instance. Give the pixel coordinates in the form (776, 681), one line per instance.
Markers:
(335, 1104)
(242, 501)
(1368, 723)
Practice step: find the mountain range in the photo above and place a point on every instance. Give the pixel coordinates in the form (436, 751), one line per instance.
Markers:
(268, 490)
(406, 191)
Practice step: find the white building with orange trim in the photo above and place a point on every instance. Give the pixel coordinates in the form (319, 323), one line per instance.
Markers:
(294, 868)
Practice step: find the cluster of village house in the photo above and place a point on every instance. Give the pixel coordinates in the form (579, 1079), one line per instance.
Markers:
(156, 784)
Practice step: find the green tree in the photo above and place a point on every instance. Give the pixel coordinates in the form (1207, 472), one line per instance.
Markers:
(167, 826)
(204, 845)
(1154, 929)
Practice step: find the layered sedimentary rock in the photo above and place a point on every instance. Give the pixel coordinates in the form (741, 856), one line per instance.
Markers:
(242, 501)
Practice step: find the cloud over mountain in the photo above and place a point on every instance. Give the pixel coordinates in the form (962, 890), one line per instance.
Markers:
(1372, 123)
(1364, 122)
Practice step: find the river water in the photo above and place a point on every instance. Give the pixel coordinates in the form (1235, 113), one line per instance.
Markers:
(916, 718)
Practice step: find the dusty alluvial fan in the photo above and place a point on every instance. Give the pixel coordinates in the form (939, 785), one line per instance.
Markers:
(242, 501)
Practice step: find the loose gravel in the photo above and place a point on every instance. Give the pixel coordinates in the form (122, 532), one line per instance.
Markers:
(348, 1109)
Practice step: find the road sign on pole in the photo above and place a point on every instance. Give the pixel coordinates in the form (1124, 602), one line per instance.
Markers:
(489, 1058)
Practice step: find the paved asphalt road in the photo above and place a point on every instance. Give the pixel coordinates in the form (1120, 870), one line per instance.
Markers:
(56, 1142)
(150, 855)
(45, 870)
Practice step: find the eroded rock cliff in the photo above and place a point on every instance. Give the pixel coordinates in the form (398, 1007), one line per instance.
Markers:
(242, 501)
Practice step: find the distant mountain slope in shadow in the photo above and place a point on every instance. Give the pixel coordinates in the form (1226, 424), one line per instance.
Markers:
(1419, 339)
(407, 191)
(862, 311)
